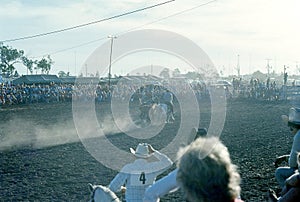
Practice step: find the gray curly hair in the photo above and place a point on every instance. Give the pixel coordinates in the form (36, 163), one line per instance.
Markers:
(205, 172)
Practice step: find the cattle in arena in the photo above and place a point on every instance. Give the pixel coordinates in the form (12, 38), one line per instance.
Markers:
(160, 113)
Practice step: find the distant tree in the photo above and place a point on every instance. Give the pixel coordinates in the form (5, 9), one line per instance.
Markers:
(80, 75)
(193, 75)
(28, 63)
(97, 74)
(176, 72)
(9, 56)
(273, 74)
(45, 64)
(36, 67)
(259, 75)
(165, 73)
(62, 74)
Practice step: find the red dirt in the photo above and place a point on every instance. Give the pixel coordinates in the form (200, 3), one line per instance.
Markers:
(42, 159)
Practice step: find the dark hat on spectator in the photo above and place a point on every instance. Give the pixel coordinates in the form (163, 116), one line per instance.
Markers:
(196, 133)
(202, 132)
(293, 119)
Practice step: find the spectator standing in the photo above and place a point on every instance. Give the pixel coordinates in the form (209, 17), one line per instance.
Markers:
(168, 183)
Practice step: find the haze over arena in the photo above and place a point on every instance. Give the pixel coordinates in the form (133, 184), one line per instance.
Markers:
(249, 32)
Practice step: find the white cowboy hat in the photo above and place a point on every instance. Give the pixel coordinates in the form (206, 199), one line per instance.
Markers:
(141, 151)
(293, 118)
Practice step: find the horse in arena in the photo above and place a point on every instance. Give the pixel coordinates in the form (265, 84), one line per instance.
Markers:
(160, 113)
(101, 193)
(144, 116)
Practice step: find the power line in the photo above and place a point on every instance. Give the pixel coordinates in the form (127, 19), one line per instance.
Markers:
(134, 28)
(70, 48)
(86, 24)
(169, 16)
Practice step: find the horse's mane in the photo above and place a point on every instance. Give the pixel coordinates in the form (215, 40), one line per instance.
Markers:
(105, 194)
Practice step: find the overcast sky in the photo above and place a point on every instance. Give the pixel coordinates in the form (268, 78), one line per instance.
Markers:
(257, 30)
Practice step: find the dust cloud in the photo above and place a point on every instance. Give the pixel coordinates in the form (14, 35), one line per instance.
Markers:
(20, 133)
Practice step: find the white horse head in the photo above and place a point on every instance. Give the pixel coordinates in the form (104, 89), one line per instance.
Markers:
(101, 193)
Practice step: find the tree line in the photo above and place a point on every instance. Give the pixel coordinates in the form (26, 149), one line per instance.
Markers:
(10, 56)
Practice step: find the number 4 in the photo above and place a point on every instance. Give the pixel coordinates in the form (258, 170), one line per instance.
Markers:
(143, 177)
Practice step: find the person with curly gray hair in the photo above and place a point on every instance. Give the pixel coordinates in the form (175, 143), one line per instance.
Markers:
(168, 183)
(206, 173)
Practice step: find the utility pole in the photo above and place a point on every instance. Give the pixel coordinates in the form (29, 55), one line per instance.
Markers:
(297, 68)
(75, 61)
(268, 66)
(151, 69)
(110, 57)
(238, 65)
(85, 70)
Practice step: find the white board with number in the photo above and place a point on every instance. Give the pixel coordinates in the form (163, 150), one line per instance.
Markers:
(142, 179)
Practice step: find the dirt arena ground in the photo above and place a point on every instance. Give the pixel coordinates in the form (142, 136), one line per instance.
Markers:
(42, 158)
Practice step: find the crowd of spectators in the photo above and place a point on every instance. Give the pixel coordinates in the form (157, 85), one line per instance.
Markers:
(42, 93)
(256, 89)
(51, 93)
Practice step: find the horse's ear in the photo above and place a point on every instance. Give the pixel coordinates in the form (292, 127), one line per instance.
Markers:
(91, 187)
